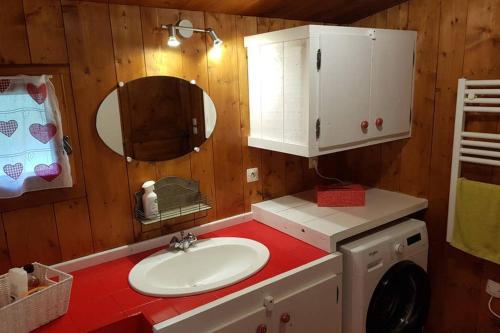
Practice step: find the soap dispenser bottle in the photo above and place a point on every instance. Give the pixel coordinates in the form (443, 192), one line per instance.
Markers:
(149, 200)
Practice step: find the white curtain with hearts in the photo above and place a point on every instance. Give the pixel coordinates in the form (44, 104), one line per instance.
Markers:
(32, 156)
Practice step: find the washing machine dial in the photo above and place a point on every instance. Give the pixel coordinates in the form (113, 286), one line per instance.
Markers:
(399, 248)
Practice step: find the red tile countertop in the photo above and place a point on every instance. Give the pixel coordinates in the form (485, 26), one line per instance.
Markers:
(102, 300)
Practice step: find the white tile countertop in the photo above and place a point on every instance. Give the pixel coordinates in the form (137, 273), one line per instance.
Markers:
(323, 227)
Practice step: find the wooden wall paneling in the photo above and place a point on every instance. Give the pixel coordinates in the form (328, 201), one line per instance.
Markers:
(73, 228)
(224, 90)
(451, 55)
(252, 157)
(273, 162)
(450, 59)
(463, 283)
(32, 235)
(90, 49)
(195, 67)
(14, 47)
(4, 250)
(397, 16)
(482, 62)
(424, 17)
(273, 174)
(126, 28)
(127, 42)
(45, 28)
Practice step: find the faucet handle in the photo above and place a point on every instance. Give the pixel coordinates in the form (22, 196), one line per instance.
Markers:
(174, 243)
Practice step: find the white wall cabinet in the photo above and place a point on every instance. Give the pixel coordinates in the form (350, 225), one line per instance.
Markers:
(315, 89)
(306, 299)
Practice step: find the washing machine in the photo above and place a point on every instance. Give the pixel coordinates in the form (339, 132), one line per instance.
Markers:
(386, 288)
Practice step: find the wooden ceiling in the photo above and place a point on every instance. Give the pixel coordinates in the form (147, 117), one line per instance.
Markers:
(328, 11)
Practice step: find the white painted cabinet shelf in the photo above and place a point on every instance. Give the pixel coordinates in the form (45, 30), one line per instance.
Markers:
(316, 90)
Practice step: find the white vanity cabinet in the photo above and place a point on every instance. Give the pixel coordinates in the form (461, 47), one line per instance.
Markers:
(306, 299)
(316, 89)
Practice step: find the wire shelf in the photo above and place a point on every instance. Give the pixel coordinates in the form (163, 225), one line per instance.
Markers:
(176, 197)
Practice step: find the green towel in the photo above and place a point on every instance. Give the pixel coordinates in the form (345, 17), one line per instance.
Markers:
(477, 219)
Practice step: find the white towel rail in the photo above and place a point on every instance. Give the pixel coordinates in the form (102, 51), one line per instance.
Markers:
(470, 146)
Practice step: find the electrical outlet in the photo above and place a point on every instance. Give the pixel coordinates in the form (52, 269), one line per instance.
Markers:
(493, 288)
(252, 175)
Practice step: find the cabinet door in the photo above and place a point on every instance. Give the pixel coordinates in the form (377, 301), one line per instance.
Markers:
(314, 309)
(392, 82)
(271, 91)
(295, 92)
(248, 324)
(344, 92)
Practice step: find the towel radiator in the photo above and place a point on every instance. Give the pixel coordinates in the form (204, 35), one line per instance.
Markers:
(473, 96)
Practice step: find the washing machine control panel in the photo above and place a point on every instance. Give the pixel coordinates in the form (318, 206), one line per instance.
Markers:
(407, 243)
(399, 248)
(413, 239)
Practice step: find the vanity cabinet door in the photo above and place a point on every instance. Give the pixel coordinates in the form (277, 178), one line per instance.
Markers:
(255, 322)
(314, 309)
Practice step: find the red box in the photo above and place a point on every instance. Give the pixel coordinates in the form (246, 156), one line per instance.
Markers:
(340, 195)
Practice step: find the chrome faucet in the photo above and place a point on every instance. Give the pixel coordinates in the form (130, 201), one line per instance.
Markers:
(184, 243)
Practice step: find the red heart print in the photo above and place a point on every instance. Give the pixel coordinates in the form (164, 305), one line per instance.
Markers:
(8, 127)
(39, 94)
(13, 171)
(43, 133)
(4, 85)
(48, 172)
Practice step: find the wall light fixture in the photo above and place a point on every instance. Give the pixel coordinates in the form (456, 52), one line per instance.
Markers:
(185, 29)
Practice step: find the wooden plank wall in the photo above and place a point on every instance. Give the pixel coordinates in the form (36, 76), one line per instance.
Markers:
(456, 38)
(101, 45)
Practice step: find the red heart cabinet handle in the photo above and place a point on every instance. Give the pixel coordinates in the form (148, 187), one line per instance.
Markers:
(262, 328)
(364, 125)
(379, 122)
(285, 318)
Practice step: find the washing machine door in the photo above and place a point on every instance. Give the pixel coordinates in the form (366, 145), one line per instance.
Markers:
(400, 302)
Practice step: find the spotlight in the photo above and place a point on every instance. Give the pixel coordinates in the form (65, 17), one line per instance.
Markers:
(172, 38)
(217, 41)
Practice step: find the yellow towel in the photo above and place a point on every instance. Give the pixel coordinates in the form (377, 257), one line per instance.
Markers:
(477, 219)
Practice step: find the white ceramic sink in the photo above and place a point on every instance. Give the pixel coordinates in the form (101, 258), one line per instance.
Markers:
(207, 265)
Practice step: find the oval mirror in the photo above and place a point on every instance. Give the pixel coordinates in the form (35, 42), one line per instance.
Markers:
(156, 118)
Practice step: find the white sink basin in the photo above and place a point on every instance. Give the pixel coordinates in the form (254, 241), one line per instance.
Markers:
(207, 265)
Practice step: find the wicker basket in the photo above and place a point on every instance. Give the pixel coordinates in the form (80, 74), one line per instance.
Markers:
(31, 312)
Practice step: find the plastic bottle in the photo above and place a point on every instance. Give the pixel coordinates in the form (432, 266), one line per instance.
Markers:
(149, 200)
(18, 283)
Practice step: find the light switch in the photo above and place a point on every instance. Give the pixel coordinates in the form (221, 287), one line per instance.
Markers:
(252, 175)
